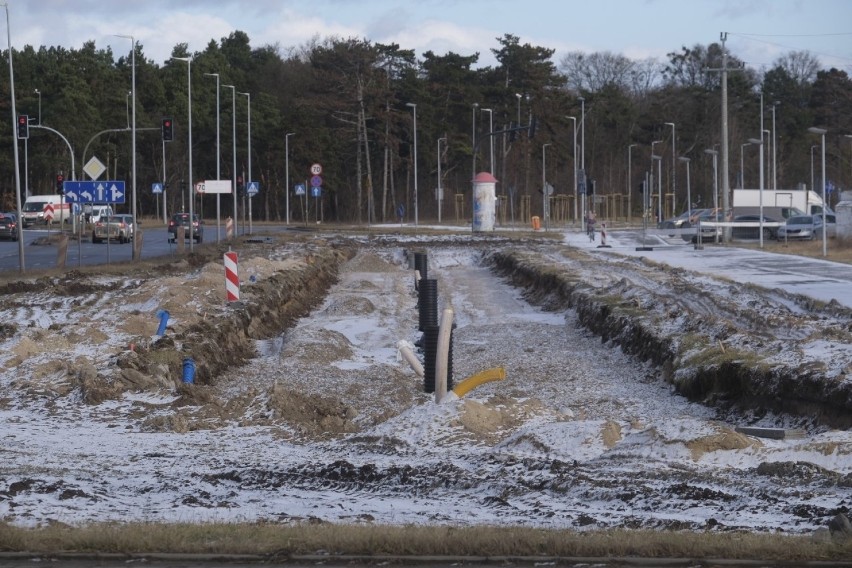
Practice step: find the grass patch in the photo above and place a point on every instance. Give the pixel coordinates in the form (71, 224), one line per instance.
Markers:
(358, 540)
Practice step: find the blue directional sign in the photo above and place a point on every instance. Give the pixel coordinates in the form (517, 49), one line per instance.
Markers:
(300, 189)
(94, 191)
(252, 188)
(156, 187)
(316, 191)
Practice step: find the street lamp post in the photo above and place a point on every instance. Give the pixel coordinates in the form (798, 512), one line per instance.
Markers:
(544, 202)
(812, 166)
(768, 137)
(742, 165)
(759, 144)
(519, 96)
(287, 173)
(133, 133)
(248, 149)
(821, 132)
(473, 140)
(414, 119)
(39, 105)
(191, 187)
(849, 136)
(491, 138)
(440, 190)
(21, 263)
(688, 196)
(774, 150)
(583, 148)
(234, 145)
(715, 155)
(674, 165)
(629, 180)
(651, 188)
(573, 119)
(218, 156)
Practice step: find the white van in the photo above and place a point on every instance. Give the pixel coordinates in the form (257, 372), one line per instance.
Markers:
(97, 213)
(32, 212)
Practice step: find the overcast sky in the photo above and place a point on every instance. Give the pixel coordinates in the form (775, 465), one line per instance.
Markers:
(758, 30)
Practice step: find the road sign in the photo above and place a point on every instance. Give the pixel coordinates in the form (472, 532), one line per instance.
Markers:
(316, 169)
(94, 191)
(299, 189)
(156, 188)
(252, 188)
(316, 181)
(94, 168)
(217, 186)
(48, 212)
(316, 191)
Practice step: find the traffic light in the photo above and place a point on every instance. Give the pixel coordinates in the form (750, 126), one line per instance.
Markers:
(60, 184)
(641, 187)
(591, 187)
(23, 127)
(168, 130)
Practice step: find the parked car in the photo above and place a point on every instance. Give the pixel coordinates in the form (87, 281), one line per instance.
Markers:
(182, 219)
(753, 232)
(807, 227)
(9, 227)
(708, 234)
(117, 227)
(677, 222)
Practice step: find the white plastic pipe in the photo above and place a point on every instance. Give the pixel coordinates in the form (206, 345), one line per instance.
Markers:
(442, 354)
(406, 350)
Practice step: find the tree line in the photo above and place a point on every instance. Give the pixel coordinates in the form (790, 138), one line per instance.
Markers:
(350, 104)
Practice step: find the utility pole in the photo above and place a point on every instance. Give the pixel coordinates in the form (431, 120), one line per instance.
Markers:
(726, 185)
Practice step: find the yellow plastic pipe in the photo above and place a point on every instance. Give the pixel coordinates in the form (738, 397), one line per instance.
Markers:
(482, 377)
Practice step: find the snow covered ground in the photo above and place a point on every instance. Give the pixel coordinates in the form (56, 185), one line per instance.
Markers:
(328, 422)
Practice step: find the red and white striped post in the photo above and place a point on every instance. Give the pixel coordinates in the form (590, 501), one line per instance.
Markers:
(48, 212)
(232, 279)
(229, 228)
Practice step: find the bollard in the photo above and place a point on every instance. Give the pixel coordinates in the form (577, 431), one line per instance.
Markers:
(188, 370)
(232, 279)
(164, 320)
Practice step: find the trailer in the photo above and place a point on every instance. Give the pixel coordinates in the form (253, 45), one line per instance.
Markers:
(806, 200)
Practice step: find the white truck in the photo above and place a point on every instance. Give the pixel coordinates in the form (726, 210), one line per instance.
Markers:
(806, 200)
(32, 212)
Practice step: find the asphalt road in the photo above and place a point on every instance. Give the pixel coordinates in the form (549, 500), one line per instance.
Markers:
(41, 253)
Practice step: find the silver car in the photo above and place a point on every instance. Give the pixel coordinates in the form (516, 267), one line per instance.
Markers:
(116, 227)
(807, 227)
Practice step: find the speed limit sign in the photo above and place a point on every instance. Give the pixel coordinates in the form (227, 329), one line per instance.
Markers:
(316, 169)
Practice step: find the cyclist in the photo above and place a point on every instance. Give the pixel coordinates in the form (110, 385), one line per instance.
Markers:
(590, 225)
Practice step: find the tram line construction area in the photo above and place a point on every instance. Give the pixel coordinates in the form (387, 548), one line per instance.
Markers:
(636, 396)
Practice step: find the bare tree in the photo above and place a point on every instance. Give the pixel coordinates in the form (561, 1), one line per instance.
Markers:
(591, 72)
(801, 66)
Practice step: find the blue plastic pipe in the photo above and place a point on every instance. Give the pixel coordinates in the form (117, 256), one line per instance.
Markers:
(188, 370)
(164, 319)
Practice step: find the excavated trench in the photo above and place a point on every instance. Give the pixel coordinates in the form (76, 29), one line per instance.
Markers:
(742, 383)
(709, 374)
